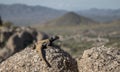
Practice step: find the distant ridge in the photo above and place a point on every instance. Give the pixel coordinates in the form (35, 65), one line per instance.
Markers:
(101, 15)
(117, 21)
(70, 18)
(22, 14)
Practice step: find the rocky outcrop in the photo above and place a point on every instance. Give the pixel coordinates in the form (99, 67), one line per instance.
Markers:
(28, 60)
(100, 59)
(18, 42)
(13, 40)
(5, 33)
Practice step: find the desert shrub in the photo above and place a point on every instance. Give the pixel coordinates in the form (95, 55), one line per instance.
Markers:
(113, 41)
(77, 48)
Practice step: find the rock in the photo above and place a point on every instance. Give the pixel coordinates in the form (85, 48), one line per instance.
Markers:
(100, 59)
(16, 39)
(5, 33)
(28, 60)
(37, 35)
(5, 53)
(15, 43)
(41, 36)
(26, 37)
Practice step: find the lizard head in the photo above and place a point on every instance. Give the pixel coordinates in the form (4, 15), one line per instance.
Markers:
(54, 37)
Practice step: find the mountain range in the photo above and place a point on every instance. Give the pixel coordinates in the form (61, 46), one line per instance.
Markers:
(101, 15)
(21, 14)
(71, 18)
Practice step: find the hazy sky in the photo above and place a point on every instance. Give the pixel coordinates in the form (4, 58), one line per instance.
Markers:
(70, 4)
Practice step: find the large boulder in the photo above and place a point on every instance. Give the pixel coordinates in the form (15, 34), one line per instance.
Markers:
(15, 42)
(5, 53)
(36, 34)
(26, 37)
(100, 59)
(29, 60)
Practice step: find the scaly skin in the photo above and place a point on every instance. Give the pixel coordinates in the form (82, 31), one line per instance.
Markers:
(40, 45)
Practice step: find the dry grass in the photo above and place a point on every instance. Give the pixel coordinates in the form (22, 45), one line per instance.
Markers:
(77, 47)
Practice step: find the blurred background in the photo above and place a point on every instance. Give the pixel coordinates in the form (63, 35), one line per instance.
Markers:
(81, 24)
